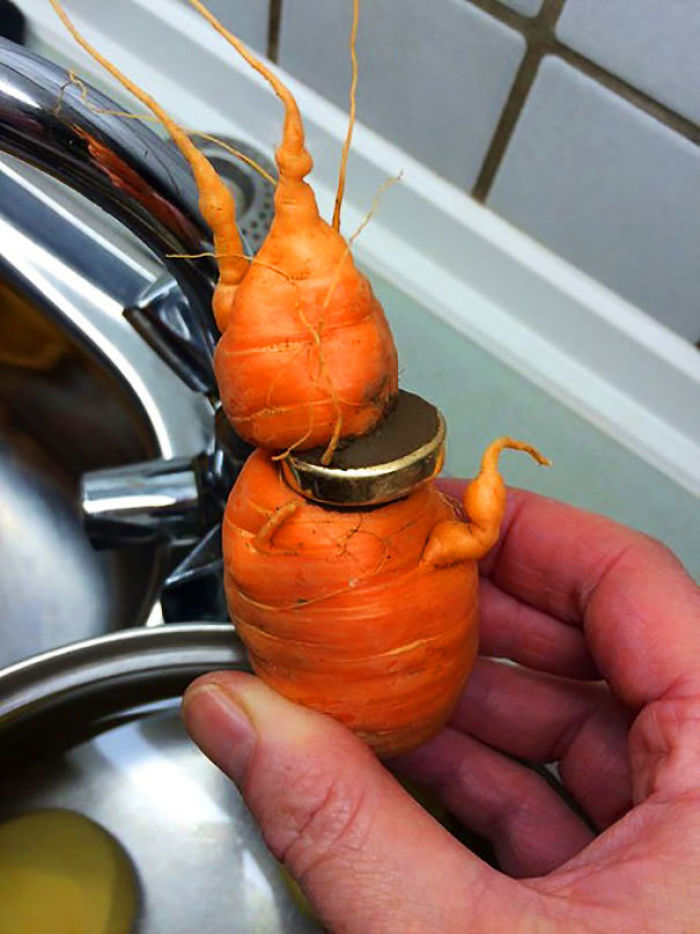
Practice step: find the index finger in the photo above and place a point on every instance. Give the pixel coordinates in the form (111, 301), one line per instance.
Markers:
(639, 609)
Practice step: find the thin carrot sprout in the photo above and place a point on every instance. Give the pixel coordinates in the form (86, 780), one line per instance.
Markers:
(374, 206)
(216, 202)
(351, 120)
(293, 127)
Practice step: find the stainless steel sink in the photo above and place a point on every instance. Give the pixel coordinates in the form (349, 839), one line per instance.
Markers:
(105, 361)
(94, 728)
(111, 436)
(79, 391)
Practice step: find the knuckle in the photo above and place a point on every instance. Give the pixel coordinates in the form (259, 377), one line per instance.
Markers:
(325, 821)
(658, 554)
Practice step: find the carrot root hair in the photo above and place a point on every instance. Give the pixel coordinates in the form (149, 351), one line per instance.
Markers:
(264, 537)
(215, 200)
(351, 119)
(484, 503)
(152, 118)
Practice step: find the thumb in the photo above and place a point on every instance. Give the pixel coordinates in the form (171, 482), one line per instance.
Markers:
(361, 848)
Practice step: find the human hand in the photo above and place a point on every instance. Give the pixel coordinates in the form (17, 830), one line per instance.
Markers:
(573, 598)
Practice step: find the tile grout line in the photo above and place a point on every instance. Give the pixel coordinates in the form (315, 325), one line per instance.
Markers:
(274, 20)
(622, 88)
(542, 41)
(519, 92)
(539, 35)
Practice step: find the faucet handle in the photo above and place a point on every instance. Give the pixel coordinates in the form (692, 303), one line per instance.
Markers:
(161, 315)
(158, 499)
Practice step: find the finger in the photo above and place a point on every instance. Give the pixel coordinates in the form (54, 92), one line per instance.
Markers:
(547, 719)
(639, 609)
(359, 845)
(529, 826)
(512, 629)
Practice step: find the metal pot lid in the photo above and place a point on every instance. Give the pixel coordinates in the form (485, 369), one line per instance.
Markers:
(405, 451)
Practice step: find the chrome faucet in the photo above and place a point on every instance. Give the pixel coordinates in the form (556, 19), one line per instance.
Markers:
(52, 121)
(75, 134)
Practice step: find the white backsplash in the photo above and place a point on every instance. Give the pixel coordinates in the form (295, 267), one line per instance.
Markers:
(596, 172)
(652, 44)
(433, 79)
(609, 188)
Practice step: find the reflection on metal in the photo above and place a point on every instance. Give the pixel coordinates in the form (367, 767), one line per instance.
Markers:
(161, 315)
(74, 728)
(92, 276)
(53, 587)
(72, 133)
(91, 675)
(207, 558)
(79, 389)
(141, 502)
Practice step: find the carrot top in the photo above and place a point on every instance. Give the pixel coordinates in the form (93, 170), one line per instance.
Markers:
(306, 356)
(215, 200)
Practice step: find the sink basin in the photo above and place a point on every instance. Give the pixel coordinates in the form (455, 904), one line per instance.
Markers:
(94, 728)
(79, 391)
(61, 413)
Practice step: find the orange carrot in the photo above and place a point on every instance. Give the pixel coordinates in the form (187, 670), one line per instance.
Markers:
(339, 614)
(306, 356)
(367, 615)
(351, 612)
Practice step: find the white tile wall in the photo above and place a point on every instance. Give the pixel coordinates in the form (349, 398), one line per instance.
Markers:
(433, 76)
(528, 7)
(249, 21)
(609, 188)
(653, 44)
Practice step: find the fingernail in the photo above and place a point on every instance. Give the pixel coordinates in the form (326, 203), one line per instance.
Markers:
(220, 727)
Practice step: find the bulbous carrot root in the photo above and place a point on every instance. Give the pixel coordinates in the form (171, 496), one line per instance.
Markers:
(307, 357)
(484, 505)
(339, 613)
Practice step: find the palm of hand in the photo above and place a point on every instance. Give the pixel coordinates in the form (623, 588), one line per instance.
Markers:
(605, 627)
(596, 601)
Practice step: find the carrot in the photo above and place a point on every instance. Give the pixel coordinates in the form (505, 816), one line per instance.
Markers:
(339, 614)
(369, 615)
(306, 357)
